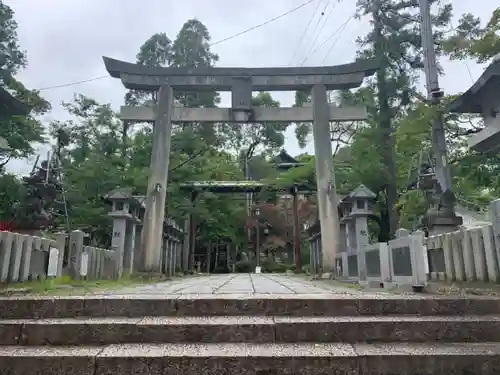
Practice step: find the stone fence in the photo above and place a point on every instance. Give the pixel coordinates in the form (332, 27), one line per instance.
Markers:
(398, 262)
(464, 255)
(24, 258)
(468, 254)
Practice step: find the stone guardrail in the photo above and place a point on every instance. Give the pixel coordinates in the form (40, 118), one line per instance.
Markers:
(464, 255)
(24, 258)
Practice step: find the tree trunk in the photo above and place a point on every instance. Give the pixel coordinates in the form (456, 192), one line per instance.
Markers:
(387, 141)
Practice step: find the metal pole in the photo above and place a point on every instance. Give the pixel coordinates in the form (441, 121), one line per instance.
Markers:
(434, 95)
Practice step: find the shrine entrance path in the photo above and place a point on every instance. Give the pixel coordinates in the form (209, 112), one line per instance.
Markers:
(237, 284)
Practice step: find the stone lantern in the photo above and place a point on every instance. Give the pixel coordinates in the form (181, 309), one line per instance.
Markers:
(357, 207)
(124, 212)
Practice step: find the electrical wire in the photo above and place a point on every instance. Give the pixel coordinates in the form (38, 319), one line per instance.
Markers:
(72, 83)
(262, 24)
(316, 28)
(336, 40)
(327, 39)
(210, 45)
(322, 26)
(465, 61)
(304, 33)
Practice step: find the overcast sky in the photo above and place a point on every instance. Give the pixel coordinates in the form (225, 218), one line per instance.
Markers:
(66, 39)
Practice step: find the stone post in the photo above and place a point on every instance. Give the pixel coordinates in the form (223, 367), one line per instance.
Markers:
(312, 256)
(75, 253)
(178, 253)
(28, 249)
(492, 263)
(185, 245)
(209, 256)
(494, 213)
(420, 257)
(327, 195)
(362, 240)
(402, 233)
(118, 241)
(61, 246)
(137, 247)
(173, 256)
(157, 183)
(343, 237)
(169, 253)
(163, 256)
(129, 247)
(7, 239)
(352, 245)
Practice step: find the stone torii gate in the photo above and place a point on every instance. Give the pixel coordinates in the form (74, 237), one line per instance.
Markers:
(241, 82)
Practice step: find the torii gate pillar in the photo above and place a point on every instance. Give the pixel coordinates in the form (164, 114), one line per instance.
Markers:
(325, 179)
(152, 230)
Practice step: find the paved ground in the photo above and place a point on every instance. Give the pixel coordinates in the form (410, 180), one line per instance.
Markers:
(241, 284)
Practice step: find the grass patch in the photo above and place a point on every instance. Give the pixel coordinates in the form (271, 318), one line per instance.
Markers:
(66, 286)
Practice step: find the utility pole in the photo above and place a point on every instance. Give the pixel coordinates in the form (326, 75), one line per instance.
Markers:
(384, 119)
(446, 216)
(434, 95)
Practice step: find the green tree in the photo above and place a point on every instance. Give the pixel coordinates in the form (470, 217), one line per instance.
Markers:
(471, 40)
(155, 52)
(21, 132)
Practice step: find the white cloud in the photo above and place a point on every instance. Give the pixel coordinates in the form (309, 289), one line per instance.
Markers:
(66, 40)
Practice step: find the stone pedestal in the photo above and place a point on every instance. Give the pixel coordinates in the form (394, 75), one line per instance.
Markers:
(437, 224)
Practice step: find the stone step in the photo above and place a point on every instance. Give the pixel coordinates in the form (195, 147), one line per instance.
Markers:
(99, 331)
(221, 305)
(245, 359)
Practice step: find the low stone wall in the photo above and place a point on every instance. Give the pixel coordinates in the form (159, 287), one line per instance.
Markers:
(24, 258)
(464, 255)
(398, 262)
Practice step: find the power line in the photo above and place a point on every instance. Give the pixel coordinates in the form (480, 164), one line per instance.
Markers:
(327, 39)
(323, 26)
(337, 39)
(304, 33)
(465, 61)
(264, 23)
(210, 45)
(316, 28)
(72, 83)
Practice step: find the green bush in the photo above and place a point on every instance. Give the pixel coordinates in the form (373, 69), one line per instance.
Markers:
(268, 266)
(245, 266)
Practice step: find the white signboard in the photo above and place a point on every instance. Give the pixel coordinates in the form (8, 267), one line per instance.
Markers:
(84, 264)
(53, 262)
(257, 269)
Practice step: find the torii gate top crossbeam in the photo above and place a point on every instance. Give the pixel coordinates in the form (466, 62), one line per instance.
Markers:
(140, 77)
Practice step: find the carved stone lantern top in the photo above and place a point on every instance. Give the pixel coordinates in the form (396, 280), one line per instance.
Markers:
(358, 202)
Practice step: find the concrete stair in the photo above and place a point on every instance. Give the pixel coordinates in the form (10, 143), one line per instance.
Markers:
(294, 334)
